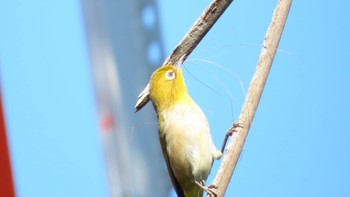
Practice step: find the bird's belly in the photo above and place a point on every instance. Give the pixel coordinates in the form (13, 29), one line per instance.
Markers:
(190, 156)
(186, 141)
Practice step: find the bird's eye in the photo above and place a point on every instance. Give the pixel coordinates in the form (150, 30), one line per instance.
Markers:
(170, 74)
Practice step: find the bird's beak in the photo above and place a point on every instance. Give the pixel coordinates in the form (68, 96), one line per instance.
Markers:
(180, 61)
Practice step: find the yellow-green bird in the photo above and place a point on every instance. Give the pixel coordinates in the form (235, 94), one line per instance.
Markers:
(184, 134)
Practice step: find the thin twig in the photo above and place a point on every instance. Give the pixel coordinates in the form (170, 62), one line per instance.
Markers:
(255, 90)
(198, 30)
(192, 38)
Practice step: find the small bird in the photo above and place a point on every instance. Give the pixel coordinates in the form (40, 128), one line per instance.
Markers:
(187, 146)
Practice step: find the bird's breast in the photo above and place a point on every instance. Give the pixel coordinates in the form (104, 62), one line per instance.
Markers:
(185, 133)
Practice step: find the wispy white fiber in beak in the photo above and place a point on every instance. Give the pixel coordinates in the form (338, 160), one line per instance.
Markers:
(180, 61)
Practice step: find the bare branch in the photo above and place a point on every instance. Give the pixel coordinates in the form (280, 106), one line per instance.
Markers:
(192, 38)
(198, 30)
(255, 90)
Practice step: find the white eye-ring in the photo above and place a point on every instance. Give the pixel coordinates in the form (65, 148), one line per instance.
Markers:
(170, 75)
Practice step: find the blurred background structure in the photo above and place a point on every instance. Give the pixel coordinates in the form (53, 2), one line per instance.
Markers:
(125, 46)
(75, 68)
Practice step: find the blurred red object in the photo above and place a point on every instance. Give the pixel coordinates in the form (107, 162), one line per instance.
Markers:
(6, 180)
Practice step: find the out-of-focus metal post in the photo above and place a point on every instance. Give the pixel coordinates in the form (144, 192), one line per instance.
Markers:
(125, 47)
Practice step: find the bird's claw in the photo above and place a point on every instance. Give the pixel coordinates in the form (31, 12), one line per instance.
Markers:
(233, 128)
(209, 189)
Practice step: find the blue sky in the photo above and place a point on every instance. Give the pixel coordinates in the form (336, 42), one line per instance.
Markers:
(49, 100)
(298, 144)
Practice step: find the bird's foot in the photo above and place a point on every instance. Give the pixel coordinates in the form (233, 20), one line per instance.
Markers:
(233, 128)
(229, 134)
(209, 189)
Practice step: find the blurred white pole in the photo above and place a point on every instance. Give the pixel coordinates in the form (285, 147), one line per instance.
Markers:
(125, 47)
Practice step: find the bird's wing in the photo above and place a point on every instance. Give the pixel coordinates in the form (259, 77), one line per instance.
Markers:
(176, 184)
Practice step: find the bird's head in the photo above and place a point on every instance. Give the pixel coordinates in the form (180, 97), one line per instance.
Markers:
(167, 86)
